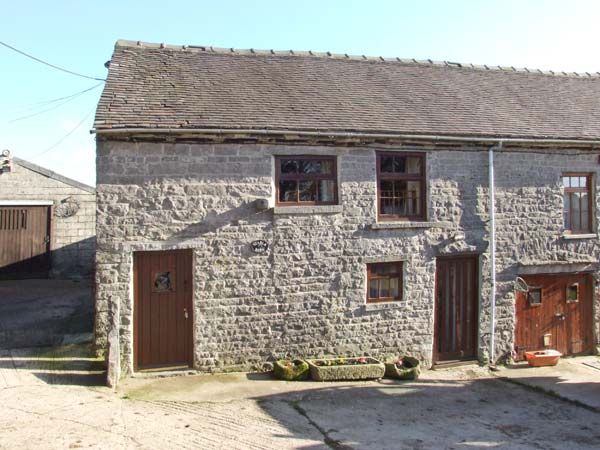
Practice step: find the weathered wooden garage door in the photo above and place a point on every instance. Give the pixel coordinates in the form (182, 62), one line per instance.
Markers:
(163, 309)
(456, 309)
(557, 308)
(24, 241)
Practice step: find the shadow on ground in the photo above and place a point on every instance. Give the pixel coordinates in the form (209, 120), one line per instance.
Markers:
(40, 312)
(74, 364)
(482, 413)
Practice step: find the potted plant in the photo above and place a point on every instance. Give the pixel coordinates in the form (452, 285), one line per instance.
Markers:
(403, 368)
(362, 368)
(291, 370)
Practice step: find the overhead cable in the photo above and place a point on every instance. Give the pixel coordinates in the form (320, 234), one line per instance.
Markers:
(48, 64)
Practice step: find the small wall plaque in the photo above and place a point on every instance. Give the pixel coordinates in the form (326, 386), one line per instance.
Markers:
(259, 246)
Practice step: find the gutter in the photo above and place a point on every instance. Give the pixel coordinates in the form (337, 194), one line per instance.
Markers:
(498, 146)
(341, 134)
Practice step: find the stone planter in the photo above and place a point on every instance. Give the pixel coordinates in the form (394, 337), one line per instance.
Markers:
(291, 370)
(345, 369)
(410, 369)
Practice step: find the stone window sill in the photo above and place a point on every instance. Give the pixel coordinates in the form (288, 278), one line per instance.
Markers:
(383, 306)
(396, 225)
(579, 236)
(318, 209)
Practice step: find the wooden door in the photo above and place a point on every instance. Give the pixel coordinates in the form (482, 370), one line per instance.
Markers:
(163, 309)
(556, 313)
(24, 241)
(456, 309)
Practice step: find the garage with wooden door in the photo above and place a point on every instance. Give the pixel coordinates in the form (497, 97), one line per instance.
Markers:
(24, 241)
(555, 312)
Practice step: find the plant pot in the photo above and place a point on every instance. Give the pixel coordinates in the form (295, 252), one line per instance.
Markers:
(291, 370)
(410, 369)
(340, 369)
(543, 358)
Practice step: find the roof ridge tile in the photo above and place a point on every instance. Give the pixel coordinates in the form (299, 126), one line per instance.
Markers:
(330, 55)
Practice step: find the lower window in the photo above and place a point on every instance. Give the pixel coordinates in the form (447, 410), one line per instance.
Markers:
(384, 282)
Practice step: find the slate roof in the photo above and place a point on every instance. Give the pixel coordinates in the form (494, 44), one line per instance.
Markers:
(154, 86)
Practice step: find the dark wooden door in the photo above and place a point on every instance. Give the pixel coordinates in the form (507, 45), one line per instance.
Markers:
(163, 309)
(556, 313)
(24, 241)
(456, 309)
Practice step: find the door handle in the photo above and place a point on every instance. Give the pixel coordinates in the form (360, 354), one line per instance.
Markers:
(561, 316)
(185, 313)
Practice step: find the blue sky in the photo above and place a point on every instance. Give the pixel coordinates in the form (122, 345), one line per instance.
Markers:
(79, 36)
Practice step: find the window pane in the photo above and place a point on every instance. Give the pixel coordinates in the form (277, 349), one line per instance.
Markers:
(567, 215)
(566, 182)
(413, 198)
(574, 181)
(413, 165)
(373, 289)
(384, 288)
(327, 167)
(394, 287)
(326, 191)
(583, 181)
(573, 292)
(310, 167)
(289, 166)
(575, 210)
(307, 190)
(288, 191)
(387, 164)
(400, 164)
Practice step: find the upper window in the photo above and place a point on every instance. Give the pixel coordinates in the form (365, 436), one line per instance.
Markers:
(384, 282)
(306, 180)
(577, 215)
(401, 186)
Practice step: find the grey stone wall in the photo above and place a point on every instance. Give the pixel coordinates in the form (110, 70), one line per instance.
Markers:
(306, 295)
(73, 221)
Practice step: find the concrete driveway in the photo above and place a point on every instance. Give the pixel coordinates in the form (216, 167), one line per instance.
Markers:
(53, 398)
(42, 312)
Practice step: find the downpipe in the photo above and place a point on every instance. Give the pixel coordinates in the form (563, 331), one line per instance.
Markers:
(492, 359)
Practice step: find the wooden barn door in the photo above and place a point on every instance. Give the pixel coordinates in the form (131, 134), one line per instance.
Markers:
(163, 309)
(24, 241)
(456, 309)
(556, 313)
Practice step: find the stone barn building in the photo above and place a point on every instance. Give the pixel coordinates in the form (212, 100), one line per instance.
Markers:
(47, 223)
(258, 204)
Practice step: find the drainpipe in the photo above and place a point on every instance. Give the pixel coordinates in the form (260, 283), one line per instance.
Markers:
(492, 251)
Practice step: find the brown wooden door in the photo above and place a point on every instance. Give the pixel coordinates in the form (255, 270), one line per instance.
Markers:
(24, 241)
(556, 311)
(163, 309)
(456, 310)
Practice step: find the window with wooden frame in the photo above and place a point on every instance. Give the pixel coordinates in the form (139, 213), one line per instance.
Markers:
(306, 180)
(384, 282)
(401, 186)
(577, 197)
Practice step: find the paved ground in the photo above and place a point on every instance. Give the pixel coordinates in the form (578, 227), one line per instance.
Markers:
(52, 398)
(41, 312)
(576, 379)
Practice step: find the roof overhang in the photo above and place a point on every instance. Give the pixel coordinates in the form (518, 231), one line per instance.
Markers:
(333, 136)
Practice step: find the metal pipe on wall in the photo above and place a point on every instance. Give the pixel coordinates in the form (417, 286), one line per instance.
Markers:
(492, 251)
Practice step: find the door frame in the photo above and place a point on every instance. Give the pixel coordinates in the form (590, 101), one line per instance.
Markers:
(135, 341)
(476, 256)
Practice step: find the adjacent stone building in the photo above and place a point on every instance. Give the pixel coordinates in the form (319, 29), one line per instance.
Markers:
(47, 222)
(256, 205)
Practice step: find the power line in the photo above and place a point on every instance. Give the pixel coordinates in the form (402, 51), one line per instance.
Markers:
(54, 100)
(48, 64)
(60, 141)
(68, 98)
